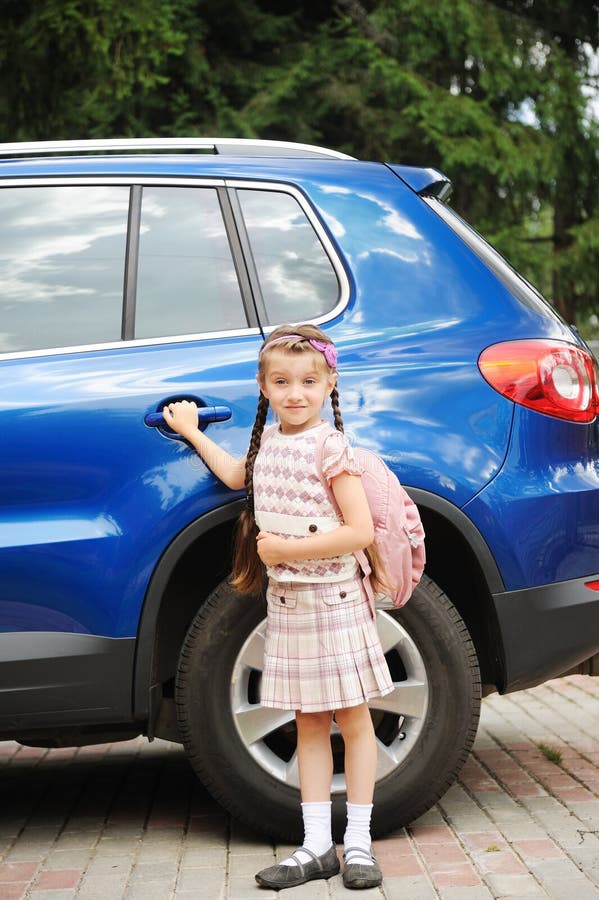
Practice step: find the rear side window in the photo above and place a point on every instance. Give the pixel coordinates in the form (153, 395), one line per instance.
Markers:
(296, 277)
(187, 282)
(62, 253)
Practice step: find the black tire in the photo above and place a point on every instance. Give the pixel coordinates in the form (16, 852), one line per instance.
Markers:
(432, 660)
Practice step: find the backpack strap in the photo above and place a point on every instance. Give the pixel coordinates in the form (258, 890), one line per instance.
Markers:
(360, 556)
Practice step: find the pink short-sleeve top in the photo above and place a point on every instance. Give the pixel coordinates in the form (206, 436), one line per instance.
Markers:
(290, 500)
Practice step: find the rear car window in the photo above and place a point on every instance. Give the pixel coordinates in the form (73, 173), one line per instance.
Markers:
(296, 277)
(62, 254)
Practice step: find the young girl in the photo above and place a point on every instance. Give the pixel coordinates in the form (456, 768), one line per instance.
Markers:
(322, 651)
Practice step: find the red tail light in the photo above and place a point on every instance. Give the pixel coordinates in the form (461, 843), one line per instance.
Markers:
(553, 377)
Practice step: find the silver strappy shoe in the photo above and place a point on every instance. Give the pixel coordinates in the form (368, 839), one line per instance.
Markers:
(358, 876)
(280, 876)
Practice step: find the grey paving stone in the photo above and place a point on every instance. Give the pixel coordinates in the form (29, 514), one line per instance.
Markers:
(239, 888)
(77, 840)
(432, 817)
(416, 887)
(111, 847)
(547, 869)
(193, 895)
(163, 871)
(514, 885)
(249, 863)
(468, 822)
(213, 838)
(587, 859)
(67, 859)
(317, 890)
(53, 895)
(195, 879)
(523, 831)
(540, 896)
(148, 891)
(465, 893)
(100, 887)
(547, 807)
(156, 852)
(571, 889)
(587, 811)
(110, 866)
(208, 857)
(118, 831)
(22, 851)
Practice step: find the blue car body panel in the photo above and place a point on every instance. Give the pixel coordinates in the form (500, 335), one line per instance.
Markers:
(541, 512)
(92, 498)
(88, 488)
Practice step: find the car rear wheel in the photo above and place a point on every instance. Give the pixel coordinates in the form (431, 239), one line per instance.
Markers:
(245, 754)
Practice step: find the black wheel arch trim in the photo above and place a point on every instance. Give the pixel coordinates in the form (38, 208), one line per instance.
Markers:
(149, 614)
(468, 530)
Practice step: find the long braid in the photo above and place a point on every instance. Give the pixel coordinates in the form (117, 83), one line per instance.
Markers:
(248, 570)
(336, 409)
(253, 448)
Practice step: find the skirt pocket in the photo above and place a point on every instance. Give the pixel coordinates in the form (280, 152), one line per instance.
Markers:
(281, 597)
(344, 593)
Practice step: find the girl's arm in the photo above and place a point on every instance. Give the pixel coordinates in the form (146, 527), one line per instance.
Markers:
(356, 533)
(182, 417)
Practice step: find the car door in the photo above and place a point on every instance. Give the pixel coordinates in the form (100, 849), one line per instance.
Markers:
(91, 491)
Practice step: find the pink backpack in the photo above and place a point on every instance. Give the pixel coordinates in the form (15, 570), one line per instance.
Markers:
(398, 531)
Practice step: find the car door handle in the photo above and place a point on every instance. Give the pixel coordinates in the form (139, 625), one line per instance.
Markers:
(206, 414)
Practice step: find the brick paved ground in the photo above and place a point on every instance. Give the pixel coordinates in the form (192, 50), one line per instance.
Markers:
(129, 821)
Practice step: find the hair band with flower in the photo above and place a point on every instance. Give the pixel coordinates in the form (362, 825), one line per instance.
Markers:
(327, 348)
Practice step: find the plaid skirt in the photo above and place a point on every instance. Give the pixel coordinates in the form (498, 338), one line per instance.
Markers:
(322, 648)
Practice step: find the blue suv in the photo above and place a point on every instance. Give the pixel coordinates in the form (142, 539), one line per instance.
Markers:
(138, 272)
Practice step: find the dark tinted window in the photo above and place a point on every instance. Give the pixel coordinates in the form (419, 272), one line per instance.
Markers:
(296, 276)
(62, 255)
(187, 281)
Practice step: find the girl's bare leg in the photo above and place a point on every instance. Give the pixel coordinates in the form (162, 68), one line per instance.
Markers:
(314, 755)
(315, 763)
(360, 752)
(361, 870)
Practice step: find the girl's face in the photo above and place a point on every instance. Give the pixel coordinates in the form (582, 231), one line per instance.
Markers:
(296, 384)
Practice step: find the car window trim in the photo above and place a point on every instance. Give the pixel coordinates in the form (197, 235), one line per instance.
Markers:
(131, 263)
(246, 249)
(321, 233)
(239, 258)
(137, 342)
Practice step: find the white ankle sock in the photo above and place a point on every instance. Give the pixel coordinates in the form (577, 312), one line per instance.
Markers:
(317, 831)
(357, 833)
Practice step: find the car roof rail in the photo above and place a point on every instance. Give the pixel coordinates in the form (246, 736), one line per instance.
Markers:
(226, 146)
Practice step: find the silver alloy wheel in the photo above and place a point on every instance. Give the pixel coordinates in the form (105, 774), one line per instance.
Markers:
(405, 708)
